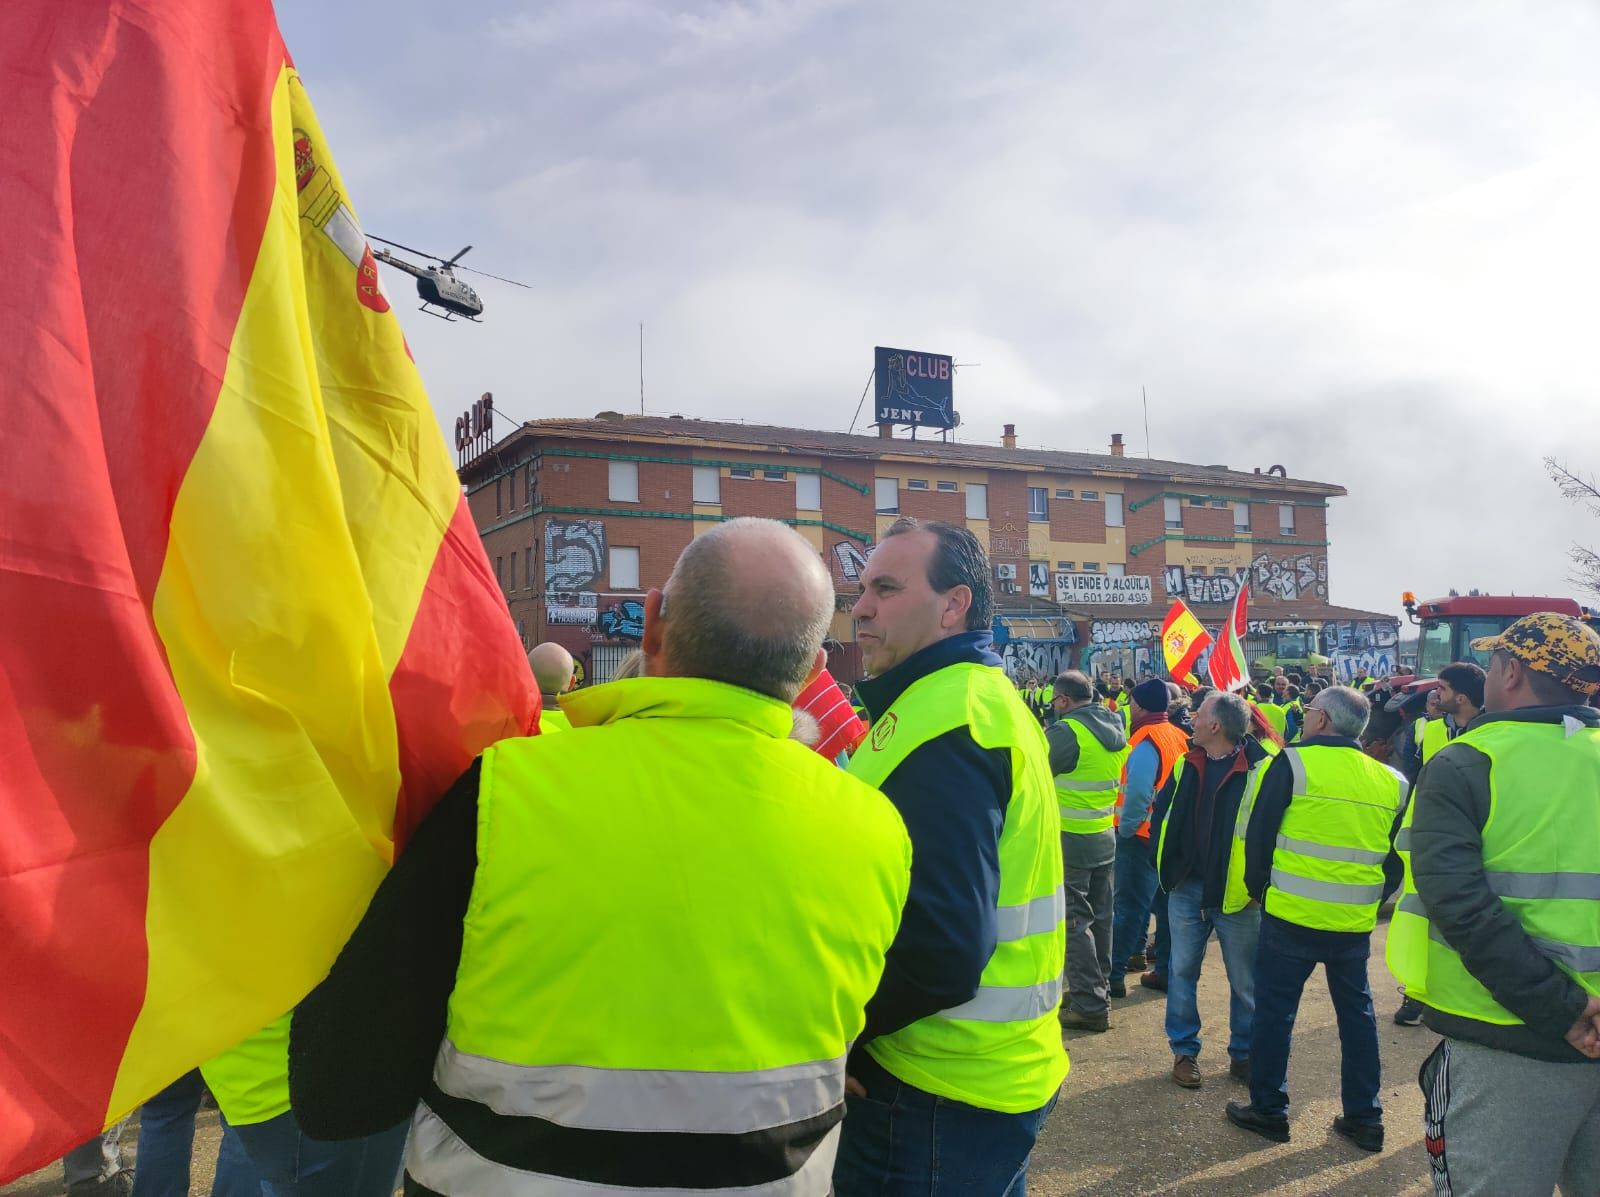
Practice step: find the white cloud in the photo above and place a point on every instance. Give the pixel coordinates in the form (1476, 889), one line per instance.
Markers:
(1359, 239)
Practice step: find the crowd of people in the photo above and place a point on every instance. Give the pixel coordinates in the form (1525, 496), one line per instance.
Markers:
(708, 931)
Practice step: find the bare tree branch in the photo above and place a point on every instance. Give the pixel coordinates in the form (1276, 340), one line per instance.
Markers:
(1573, 485)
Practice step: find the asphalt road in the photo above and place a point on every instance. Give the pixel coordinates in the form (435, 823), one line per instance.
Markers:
(1122, 1126)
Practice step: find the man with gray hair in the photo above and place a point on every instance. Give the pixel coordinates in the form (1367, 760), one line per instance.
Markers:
(599, 1022)
(1201, 862)
(1319, 857)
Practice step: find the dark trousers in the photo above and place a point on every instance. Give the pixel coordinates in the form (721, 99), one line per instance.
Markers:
(1160, 958)
(1285, 959)
(1135, 890)
(1088, 890)
(899, 1141)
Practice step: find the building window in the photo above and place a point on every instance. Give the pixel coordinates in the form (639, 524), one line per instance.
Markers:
(707, 485)
(512, 577)
(500, 565)
(741, 472)
(1241, 517)
(622, 481)
(497, 507)
(1038, 505)
(1197, 500)
(808, 492)
(1198, 570)
(977, 500)
(1219, 504)
(917, 484)
(1113, 509)
(527, 485)
(1172, 510)
(527, 569)
(624, 568)
(1091, 496)
(948, 488)
(1091, 567)
(511, 487)
(1115, 569)
(1065, 566)
(1285, 519)
(887, 491)
(775, 475)
(1063, 494)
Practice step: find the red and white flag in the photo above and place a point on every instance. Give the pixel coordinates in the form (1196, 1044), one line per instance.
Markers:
(1229, 671)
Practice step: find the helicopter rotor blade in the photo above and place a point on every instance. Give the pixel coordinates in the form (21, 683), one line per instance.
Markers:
(497, 278)
(420, 253)
(461, 253)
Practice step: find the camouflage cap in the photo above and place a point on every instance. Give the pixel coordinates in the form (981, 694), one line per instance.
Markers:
(1557, 645)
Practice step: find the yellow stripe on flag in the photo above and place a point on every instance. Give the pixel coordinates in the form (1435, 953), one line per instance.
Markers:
(265, 608)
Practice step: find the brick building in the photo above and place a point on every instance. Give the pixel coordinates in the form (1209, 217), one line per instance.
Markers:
(581, 517)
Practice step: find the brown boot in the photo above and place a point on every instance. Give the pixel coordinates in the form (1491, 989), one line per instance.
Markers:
(1185, 1072)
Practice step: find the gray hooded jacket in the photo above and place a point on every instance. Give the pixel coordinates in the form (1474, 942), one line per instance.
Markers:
(1085, 851)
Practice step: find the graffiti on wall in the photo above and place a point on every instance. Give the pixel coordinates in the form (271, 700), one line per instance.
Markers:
(1202, 588)
(1290, 578)
(1039, 580)
(1358, 635)
(574, 554)
(1379, 662)
(1026, 659)
(623, 621)
(1122, 631)
(851, 558)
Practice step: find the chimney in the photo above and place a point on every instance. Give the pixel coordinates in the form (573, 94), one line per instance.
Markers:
(886, 431)
(1008, 438)
(1116, 444)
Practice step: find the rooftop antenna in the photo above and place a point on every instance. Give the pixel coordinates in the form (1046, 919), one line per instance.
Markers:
(870, 375)
(641, 370)
(1146, 397)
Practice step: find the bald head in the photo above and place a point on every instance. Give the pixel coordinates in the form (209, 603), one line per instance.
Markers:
(748, 603)
(552, 667)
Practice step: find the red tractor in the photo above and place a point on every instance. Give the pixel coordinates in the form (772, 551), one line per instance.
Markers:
(1448, 626)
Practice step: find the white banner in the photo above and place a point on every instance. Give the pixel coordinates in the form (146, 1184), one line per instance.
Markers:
(1077, 589)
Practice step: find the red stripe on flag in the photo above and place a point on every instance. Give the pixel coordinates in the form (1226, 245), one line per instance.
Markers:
(462, 658)
(138, 178)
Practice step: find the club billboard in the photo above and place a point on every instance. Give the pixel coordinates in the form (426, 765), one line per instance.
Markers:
(915, 388)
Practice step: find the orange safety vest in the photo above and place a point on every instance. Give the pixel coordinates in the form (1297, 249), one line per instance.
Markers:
(1171, 743)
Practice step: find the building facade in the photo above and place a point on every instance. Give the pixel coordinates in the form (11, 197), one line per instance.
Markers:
(581, 517)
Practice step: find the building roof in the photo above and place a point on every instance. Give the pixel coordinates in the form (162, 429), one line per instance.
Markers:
(775, 439)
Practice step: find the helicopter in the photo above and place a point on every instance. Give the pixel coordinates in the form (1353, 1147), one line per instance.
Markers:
(442, 293)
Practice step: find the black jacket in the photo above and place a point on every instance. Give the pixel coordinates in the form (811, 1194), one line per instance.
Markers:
(1199, 834)
(952, 795)
(1261, 840)
(1447, 863)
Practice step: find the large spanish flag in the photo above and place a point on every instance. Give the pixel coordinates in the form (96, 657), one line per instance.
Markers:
(247, 631)
(1183, 639)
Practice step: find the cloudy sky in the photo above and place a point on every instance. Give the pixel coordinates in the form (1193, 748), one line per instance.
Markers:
(1358, 239)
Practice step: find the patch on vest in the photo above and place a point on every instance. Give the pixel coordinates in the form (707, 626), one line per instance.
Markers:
(882, 731)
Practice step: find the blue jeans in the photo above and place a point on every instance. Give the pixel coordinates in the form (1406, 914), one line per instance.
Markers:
(1134, 889)
(293, 1165)
(1192, 925)
(1285, 960)
(899, 1141)
(166, 1147)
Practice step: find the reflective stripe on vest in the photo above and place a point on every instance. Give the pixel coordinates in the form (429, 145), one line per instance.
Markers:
(581, 1052)
(1327, 866)
(1002, 1049)
(1542, 819)
(1087, 797)
(442, 1160)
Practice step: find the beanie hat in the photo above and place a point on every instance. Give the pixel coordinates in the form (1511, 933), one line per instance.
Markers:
(1150, 695)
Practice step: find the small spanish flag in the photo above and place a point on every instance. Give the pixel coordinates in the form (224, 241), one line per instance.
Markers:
(1183, 639)
(250, 633)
